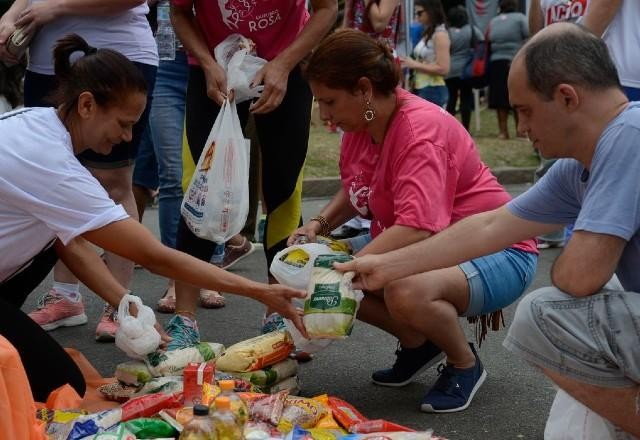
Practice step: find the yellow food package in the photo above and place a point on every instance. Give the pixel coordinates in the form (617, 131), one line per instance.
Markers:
(256, 353)
(209, 393)
(327, 421)
(301, 411)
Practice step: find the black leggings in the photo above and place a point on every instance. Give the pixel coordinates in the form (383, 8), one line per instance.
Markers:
(46, 363)
(283, 135)
(456, 85)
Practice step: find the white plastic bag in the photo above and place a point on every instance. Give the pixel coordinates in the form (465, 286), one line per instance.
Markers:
(292, 266)
(136, 335)
(216, 203)
(235, 55)
(571, 420)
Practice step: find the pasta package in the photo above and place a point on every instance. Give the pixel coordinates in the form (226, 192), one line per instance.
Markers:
(256, 353)
(331, 304)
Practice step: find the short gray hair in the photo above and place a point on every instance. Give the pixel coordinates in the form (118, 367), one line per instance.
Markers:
(572, 55)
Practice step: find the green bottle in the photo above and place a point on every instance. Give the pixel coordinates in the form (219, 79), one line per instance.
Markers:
(227, 427)
(201, 427)
(238, 407)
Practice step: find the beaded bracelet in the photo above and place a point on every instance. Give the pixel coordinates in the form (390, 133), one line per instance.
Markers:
(325, 228)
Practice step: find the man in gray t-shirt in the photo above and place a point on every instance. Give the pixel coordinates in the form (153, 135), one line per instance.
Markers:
(583, 335)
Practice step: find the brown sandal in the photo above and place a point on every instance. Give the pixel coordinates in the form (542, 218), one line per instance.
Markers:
(210, 299)
(167, 304)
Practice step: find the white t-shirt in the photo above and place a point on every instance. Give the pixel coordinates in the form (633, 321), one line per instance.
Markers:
(128, 32)
(555, 11)
(45, 191)
(623, 39)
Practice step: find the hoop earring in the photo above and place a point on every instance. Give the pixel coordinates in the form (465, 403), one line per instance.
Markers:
(369, 113)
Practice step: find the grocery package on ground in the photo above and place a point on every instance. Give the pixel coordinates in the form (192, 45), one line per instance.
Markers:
(171, 395)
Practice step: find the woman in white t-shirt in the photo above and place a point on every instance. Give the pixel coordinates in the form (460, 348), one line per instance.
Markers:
(53, 207)
(120, 25)
(431, 58)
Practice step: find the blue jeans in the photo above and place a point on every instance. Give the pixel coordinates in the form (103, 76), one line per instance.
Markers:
(497, 280)
(159, 161)
(439, 95)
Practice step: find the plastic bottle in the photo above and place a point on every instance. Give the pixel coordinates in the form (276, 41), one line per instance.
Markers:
(165, 37)
(201, 426)
(238, 407)
(227, 427)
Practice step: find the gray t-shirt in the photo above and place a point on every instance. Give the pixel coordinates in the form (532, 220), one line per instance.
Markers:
(604, 199)
(507, 34)
(460, 48)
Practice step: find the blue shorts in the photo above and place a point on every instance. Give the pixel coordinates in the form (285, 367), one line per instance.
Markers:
(497, 280)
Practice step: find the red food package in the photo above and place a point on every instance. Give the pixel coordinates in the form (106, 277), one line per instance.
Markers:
(195, 374)
(149, 405)
(378, 425)
(344, 413)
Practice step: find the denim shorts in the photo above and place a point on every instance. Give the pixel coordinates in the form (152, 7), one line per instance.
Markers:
(439, 95)
(593, 339)
(497, 280)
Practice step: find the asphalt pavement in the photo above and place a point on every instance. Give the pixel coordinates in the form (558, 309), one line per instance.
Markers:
(513, 403)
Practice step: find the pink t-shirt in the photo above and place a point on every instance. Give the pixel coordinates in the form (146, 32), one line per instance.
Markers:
(271, 24)
(427, 174)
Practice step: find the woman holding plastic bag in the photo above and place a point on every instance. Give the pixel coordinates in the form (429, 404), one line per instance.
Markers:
(414, 170)
(283, 34)
(53, 208)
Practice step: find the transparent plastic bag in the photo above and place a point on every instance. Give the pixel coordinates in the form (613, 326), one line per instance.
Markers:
(292, 266)
(236, 55)
(136, 335)
(216, 203)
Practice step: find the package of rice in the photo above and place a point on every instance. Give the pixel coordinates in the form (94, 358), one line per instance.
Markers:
(171, 363)
(331, 304)
(270, 375)
(133, 373)
(256, 353)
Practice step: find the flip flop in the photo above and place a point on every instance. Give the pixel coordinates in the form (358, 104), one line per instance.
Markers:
(167, 304)
(210, 299)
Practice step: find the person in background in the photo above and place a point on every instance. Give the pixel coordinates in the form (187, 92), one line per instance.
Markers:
(507, 32)
(284, 34)
(415, 170)
(460, 35)
(52, 207)
(579, 332)
(616, 21)
(120, 25)
(431, 56)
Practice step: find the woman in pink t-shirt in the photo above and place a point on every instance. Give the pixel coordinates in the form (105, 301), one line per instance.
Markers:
(414, 170)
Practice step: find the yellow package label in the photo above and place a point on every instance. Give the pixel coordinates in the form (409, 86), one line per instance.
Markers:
(296, 257)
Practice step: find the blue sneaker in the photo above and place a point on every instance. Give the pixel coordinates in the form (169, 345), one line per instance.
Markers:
(410, 363)
(183, 331)
(455, 388)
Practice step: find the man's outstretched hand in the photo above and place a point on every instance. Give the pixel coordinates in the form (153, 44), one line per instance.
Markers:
(371, 272)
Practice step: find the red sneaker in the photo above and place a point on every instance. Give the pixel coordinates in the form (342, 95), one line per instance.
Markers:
(55, 310)
(108, 325)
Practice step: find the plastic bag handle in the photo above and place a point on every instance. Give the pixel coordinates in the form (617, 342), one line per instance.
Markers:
(123, 307)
